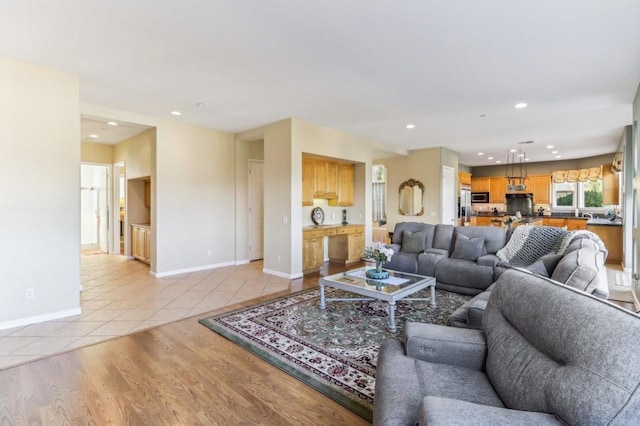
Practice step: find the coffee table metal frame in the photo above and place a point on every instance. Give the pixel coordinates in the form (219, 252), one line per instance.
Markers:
(374, 289)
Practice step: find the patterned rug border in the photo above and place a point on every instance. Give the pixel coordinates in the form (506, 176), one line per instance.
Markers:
(321, 387)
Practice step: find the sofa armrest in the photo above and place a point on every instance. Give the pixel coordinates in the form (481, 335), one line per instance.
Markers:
(436, 411)
(475, 310)
(446, 345)
(395, 247)
(488, 260)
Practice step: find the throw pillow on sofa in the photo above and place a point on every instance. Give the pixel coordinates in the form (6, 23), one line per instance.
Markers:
(413, 242)
(467, 248)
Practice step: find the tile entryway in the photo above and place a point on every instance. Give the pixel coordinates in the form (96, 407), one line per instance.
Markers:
(120, 297)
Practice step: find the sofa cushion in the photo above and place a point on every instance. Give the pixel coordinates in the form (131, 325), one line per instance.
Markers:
(494, 237)
(413, 242)
(467, 248)
(464, 273)
(402, 227)
(582, 269)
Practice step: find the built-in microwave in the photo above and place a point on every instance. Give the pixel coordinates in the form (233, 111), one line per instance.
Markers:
(479, 197)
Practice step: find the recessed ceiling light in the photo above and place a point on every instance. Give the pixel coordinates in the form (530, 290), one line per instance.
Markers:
(411, 126)
(521, 105)
(483, 115)
(521, 155)
(512, 150)
(481, 153)
(558, 156)
(93, 136)
(200, 104)
(550, 146)
(527, 159)
(176, 113)
(554, 152)
(112, 123)
(489, 158)
(498, 162)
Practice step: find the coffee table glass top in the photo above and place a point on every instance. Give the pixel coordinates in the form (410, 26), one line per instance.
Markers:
(397, 281)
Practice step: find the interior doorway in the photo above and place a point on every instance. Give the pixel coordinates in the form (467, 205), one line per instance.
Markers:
(94, 208)
(256, 209)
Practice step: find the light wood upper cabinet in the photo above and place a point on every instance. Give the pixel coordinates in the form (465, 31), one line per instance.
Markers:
(464, 178)
(480, 185)
(541, 188)
(346, 175)
(307, 181)
(497, 190)
(325, 179)
(610, 186)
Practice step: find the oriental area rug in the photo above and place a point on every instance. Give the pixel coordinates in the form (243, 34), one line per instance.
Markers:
(333, 350)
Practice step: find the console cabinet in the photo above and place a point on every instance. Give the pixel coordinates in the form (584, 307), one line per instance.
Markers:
(347, 246)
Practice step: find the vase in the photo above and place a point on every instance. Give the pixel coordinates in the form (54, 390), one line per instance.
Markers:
(379, 265)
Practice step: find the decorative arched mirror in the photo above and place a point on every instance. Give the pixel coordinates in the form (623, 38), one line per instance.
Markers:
(410, 199)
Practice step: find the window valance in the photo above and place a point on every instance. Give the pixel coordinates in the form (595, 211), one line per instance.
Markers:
(581, 175)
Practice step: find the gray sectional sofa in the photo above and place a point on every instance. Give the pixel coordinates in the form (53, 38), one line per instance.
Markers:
(547, 354)
(469, 259)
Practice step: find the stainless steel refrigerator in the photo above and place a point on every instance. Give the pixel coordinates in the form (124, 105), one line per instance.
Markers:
(464, 204)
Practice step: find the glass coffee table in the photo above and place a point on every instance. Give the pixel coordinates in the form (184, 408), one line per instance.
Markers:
(398, 286)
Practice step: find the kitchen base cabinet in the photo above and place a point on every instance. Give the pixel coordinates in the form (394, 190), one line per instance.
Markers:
(611, 236)
(312, 250)
(141, 242)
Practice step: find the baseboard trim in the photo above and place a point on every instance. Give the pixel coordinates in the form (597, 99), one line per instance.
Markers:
(187, 270)
(243, 262)
(281, 274)
(40, 318)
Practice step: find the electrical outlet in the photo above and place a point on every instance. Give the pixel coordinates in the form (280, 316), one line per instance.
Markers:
(209, 252)
(285, 219)
(333, 215)
(278, 258)
(31, 293)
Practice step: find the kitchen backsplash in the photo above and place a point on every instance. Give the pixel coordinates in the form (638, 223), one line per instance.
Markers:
(332, 214)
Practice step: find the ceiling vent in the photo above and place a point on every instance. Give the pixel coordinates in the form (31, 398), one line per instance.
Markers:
(525, 142)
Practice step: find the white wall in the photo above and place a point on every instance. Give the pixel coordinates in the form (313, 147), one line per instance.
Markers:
(40, 202)
(194, 216)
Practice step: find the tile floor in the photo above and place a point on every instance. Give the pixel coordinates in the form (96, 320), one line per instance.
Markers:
(120, 297)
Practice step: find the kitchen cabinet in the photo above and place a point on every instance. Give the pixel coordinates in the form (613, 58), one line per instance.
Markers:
(325, 179)
(480, 185)
(141, 242)
(346, 175)
(553, 221)
(541, 188)
(307, 181)
(312, 250)
(497, 190)
(464, 178)
(610, 187)
(484, 220)
(575, 224)
(347, 246)
(611, 236)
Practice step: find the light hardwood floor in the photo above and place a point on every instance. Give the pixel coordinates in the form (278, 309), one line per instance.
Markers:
(176, 374)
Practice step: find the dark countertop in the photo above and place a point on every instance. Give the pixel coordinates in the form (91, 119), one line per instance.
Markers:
(329, 225)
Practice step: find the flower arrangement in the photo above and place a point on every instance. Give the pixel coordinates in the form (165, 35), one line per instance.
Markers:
(509, 220)
(378, 253)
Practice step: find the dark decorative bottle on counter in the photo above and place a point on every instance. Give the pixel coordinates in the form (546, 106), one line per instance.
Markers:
(344, 217)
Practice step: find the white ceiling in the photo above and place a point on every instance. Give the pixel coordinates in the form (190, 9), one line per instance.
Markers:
(367, 67)
(99, 131)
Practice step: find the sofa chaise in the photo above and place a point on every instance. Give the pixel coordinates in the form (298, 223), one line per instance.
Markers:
(547, 354)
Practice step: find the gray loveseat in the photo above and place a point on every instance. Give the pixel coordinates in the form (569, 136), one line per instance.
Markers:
(547, 354)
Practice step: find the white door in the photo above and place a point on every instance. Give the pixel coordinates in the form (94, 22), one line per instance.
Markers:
(448, 195)
(256, 208)
(118, 209)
